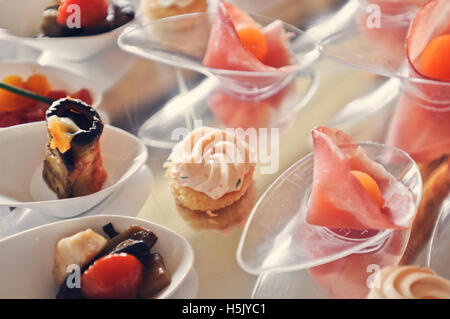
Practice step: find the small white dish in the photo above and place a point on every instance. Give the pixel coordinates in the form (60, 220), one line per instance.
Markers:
(21, 159)
(27, 272)
(127, 201)
(25, 28)
(59, 79)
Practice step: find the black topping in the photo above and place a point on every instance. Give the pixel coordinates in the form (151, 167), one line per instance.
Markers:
(110, 231)
(84, 116)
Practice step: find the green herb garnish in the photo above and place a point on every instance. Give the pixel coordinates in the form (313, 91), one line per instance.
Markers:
(238, 183)
(26, 93)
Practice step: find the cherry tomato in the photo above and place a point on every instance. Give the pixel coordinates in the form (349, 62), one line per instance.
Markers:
(83, 95)
(11, 118)
(10, 101)
(56, 95)
(91, 11)
(113, 276)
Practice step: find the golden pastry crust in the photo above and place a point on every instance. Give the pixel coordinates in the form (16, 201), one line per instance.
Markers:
(195, 200)
(222, 219)
(435, 190)
(154, 11)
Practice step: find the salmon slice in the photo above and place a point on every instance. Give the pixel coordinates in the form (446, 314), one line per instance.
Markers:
(339, 200)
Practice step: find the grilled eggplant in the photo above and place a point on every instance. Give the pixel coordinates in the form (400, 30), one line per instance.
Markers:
(73, 164)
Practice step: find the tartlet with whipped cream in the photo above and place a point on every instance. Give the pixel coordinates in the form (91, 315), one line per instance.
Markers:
(409, 282)
(158, 9)
(210, 169)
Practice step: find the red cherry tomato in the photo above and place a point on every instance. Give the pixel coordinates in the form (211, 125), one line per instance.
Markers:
(83, 95)
(56, 95)
(113, 276)
(90, 11)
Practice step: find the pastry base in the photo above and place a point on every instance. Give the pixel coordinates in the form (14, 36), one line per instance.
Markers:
(153, 11)
(195, 200)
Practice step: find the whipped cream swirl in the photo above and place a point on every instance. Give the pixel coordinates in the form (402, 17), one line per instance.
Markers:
(410, 282)
(210, 161)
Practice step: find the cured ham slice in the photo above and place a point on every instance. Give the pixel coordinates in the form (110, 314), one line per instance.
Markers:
(420, 122)
(422, 132)
(431, 21)
(278, 53)
(226, 51)
(339, 200)
(348, 277)
(236, 113)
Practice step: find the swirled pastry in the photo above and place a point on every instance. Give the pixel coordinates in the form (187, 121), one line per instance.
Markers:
(210, 169)
(409, 282)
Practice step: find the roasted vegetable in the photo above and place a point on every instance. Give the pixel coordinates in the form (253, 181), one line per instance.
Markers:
(110, 231)
(73, 164)
(156, 277)
(97, 17)
(132, 232)
(137, 248)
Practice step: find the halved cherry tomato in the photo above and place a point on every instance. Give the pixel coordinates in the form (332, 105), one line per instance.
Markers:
(91, 11)
(10, 101)
(38, 83)
(371, 187)
(435, 61)
(83, 95)
(113, 276)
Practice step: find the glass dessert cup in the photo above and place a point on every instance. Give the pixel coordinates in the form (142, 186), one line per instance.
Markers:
(422, 106)
(264, 99)
(277, 237)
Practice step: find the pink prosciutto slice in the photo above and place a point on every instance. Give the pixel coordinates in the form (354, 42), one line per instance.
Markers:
(225, 50)
(432, 20)
(338, 199)
(237, 113)
(420, 124)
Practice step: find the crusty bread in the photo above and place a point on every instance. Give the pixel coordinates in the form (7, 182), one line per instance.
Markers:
(435, 190)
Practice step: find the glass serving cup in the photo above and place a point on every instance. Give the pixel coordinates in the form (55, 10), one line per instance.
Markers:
(390, 28)
(277, 237)
(422, 110)
(264, 99)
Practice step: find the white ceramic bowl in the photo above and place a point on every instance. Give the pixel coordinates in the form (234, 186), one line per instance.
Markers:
(59, 79)
(27, 270)
(21, 159)
(21, 20)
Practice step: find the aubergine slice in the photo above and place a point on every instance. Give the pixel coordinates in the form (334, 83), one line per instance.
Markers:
(73, 165)
(156, 277)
